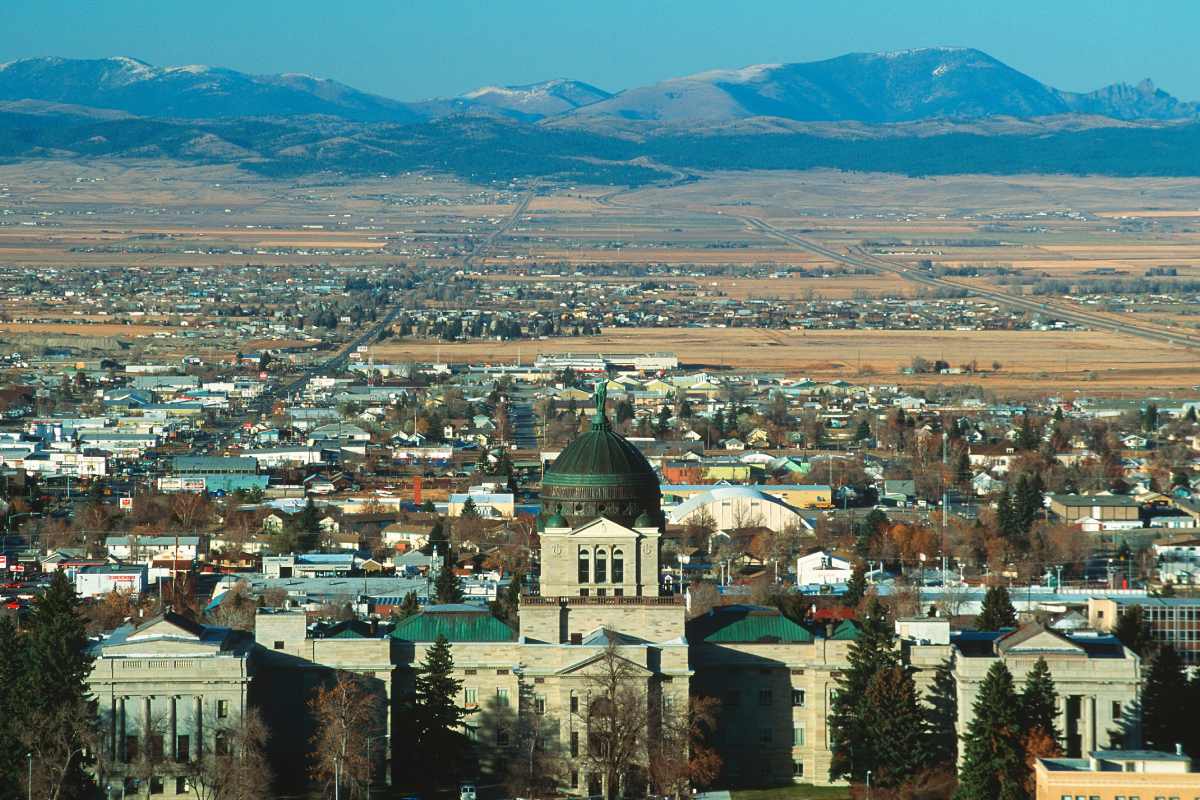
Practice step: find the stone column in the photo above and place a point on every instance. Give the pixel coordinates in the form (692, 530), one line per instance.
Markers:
(198, 727)
(1088, 722)
(173, 747)
(119, 731)
(147, 725)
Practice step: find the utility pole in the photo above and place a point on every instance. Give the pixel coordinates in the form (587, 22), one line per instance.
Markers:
(945, 504)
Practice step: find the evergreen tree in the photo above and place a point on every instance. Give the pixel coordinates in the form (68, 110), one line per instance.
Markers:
(897, 724)
(307, 527)
(963, 471)
(408, 607)
(438, 540)
(1165, 688)
(11, 678)
(624, 411)
(1028, 502)
(993, 766)
(1006, 518)
(1150, 418)
(997, 612)
(446, 586)
(856, 587)
(1038, 701)
(1133, 629)
(54, 676)
(469, 509)
(438, 719)
(1028, 437)
(942, 716)
(852, 741)
(1191, 415)
(864, 431)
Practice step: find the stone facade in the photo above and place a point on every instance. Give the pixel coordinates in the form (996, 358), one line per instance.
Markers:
(164, 692)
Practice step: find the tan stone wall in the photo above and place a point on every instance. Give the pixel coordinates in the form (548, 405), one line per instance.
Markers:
(1054, 785)
(135, 697)
(1099, 682)
(554, 623)
(763, 734)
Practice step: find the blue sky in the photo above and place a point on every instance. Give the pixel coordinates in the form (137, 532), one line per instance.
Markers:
(411, 50)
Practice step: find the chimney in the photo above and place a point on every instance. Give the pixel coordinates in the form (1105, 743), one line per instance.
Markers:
(828, 630)
(1178, 749)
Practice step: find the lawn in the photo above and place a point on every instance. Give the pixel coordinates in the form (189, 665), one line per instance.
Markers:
(798, 792)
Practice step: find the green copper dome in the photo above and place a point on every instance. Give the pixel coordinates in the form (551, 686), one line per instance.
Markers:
(600, 474)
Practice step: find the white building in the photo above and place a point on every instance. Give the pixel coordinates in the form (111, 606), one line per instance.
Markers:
(733, 507)
(822, 568)
(99, 581)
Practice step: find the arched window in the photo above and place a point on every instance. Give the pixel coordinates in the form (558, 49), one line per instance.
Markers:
(585, 574)
(618, 566)
(601, 566)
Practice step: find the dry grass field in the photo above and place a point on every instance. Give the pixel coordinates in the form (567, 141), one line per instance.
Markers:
(1060, 361)
(90, 329)
(151, 214)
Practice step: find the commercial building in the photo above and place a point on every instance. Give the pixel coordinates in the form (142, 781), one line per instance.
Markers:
(96, 581)
(1172, 620)
(1117, 775)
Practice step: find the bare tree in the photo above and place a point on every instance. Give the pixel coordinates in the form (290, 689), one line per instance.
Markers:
(345, 713)
(236, 609)
(523, 749)
(617, 720)
(235, 767)
(190, 511)
(680, 756)
(702, 598)
(60, 737)
(954, 597)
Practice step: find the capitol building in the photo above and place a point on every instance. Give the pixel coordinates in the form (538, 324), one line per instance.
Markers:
(599, 599)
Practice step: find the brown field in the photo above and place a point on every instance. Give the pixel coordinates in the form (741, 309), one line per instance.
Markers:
(90, 329)
(1063, 361)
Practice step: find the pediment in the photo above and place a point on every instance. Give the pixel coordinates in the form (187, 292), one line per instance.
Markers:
(594, 667)
(166, 626)
(603, 528)
(1038, 640)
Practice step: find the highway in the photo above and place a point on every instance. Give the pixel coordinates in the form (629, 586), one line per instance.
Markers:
(863, 260)
(336, 364)
(500, 230)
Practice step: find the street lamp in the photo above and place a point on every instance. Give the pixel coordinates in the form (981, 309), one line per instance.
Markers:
(385, 737)
(29, 783)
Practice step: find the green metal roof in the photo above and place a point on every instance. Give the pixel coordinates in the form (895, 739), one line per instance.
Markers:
(747, 624)
(600, 457)
(846, 632)
(458, 623)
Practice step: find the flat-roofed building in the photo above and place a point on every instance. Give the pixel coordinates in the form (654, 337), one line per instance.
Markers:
(1117, 775)
(1172, 620)
(1101, 507)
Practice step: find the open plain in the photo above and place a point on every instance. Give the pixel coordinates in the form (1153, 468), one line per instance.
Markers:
(1116, 249)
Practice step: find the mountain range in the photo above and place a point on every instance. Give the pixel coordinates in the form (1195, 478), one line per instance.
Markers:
(920, 112)
(940, 83)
